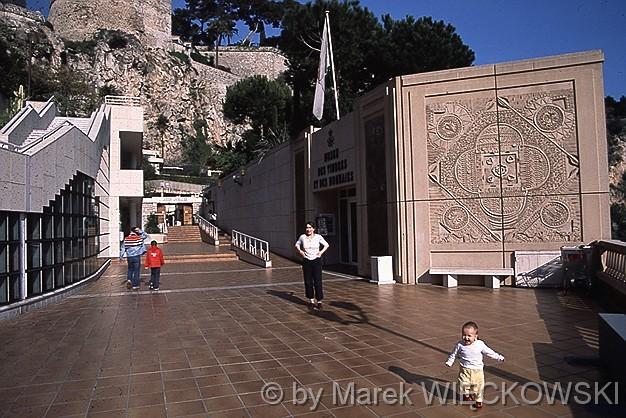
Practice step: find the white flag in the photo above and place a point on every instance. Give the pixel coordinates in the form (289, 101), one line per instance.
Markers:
(320, 83)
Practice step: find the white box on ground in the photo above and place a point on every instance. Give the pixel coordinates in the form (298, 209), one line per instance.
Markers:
(382, 270)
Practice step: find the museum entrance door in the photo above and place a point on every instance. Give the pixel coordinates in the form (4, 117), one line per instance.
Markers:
(348, 230)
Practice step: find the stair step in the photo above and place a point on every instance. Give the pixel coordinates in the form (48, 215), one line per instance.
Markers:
(202, 257)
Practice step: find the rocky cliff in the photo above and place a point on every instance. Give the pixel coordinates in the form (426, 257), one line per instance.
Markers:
(175, 90)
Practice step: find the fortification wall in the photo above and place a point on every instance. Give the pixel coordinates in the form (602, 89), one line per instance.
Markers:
(246, 62)
(21, 3)
(14, 15)
(149, 20)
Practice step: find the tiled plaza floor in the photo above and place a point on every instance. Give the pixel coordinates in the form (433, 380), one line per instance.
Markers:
(218, 332)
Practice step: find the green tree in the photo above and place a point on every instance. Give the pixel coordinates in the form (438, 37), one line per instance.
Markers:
(183, 26)
(229, 157)
(356, 35)
(207, 22)
(152, 224)
(615, 128)
(420, 45)
(195, 149)
(366, 52)
(258, 13)
(616, 138)
(264, 105)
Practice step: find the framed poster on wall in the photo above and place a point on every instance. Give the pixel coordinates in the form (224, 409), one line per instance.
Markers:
(325, 224)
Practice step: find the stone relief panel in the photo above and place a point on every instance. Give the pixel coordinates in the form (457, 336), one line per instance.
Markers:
(505, 168)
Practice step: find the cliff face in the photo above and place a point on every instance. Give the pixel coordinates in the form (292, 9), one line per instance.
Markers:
(172, 87)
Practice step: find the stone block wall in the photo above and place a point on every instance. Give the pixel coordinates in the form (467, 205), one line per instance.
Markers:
(246, 62)
(21, 3)
(77, 20)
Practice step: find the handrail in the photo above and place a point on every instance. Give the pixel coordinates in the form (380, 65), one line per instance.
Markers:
(9, 146)
(610, 259)
(254, 246)
(39, 140)
(122, 101)
(211, 230)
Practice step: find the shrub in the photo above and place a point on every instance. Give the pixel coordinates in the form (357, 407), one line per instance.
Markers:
(202, 59)
(152, 224)
(180, 56)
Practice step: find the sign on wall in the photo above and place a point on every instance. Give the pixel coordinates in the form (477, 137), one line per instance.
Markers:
(332, 156)
(325, 224)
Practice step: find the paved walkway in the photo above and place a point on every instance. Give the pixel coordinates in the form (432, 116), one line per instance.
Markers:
(219, 332)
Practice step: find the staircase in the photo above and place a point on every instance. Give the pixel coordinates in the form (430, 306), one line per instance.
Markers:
(223, 238)
(184, 245)
(185, 233)
(81, 123)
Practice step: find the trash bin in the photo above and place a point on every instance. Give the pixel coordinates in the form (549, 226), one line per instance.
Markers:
(382, 269)
(576, 262)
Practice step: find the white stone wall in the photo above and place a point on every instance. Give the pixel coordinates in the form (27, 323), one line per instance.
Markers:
(263, 205)
(123, 183)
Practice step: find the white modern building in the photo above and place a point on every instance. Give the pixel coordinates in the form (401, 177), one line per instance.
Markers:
(69, 188)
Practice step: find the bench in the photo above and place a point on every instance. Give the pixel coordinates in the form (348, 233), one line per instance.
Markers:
(491, 275)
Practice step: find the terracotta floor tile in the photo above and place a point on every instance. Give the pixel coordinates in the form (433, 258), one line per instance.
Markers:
(231, 328)
(268, 411)
(146, 399)
(222, 403)
(185, 408)
(65, 409)
(154, 411)
(107, 404)
(182, 395)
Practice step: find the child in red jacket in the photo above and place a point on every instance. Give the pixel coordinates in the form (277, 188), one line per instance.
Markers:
(154, 261)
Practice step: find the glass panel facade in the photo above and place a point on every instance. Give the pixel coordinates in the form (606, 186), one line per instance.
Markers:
(9, 257)
(61, 243)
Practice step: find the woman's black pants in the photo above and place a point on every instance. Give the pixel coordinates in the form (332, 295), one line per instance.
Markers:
(312, 271)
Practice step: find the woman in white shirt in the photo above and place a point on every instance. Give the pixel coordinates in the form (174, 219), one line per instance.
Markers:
(311, 246)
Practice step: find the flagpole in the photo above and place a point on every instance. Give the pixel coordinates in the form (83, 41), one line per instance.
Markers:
(332, 64)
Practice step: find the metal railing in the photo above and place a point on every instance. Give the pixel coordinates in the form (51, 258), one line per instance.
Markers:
(254, 246)
(122, 101)
(211, 230)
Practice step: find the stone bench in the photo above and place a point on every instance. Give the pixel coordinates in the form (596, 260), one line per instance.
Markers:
(491, 275)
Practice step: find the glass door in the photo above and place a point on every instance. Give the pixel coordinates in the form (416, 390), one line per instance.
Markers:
(347, 221)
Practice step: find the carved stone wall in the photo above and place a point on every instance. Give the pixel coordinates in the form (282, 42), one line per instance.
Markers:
(77, 20)
(495, 159)
(505, 168)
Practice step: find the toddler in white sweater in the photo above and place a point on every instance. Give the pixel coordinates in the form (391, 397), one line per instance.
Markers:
(470, 352)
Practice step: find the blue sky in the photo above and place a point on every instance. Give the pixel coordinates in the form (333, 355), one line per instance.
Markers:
(506, 30)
